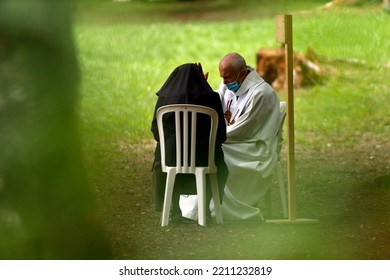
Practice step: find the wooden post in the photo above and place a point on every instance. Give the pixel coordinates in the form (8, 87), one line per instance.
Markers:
(290, 117)
(284, 35)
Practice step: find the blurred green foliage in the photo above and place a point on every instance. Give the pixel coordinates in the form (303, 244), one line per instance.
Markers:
(46, 207)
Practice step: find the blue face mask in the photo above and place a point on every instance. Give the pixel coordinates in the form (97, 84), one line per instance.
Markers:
(234, 86)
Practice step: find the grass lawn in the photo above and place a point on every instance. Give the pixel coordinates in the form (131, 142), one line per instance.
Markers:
(126, 52)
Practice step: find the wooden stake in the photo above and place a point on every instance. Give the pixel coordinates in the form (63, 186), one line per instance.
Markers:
(284, 35)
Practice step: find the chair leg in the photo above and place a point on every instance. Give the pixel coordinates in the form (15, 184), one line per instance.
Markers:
(216, 199)
(201, 194)
(268, 203)
(170, 183)
(281, 189)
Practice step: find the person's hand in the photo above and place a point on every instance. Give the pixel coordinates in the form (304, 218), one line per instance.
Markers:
(206, 75)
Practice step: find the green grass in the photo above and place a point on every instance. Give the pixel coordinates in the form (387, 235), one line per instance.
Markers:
(353, 100)
(125, 63)
(108, 12)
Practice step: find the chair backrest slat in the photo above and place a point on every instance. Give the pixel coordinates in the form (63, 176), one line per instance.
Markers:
(193, 141)
(178, 139)
(279, 134)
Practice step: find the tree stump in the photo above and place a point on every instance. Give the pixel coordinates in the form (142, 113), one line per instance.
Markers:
(271, 66)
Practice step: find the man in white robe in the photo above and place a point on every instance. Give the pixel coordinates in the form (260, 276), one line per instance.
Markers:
(251, 109)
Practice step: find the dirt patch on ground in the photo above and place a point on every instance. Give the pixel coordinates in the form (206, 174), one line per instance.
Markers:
(346, 191)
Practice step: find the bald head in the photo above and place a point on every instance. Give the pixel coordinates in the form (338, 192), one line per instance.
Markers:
(230, 67)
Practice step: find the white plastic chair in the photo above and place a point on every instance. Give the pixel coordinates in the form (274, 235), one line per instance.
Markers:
(183, 114)
(278, 167)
